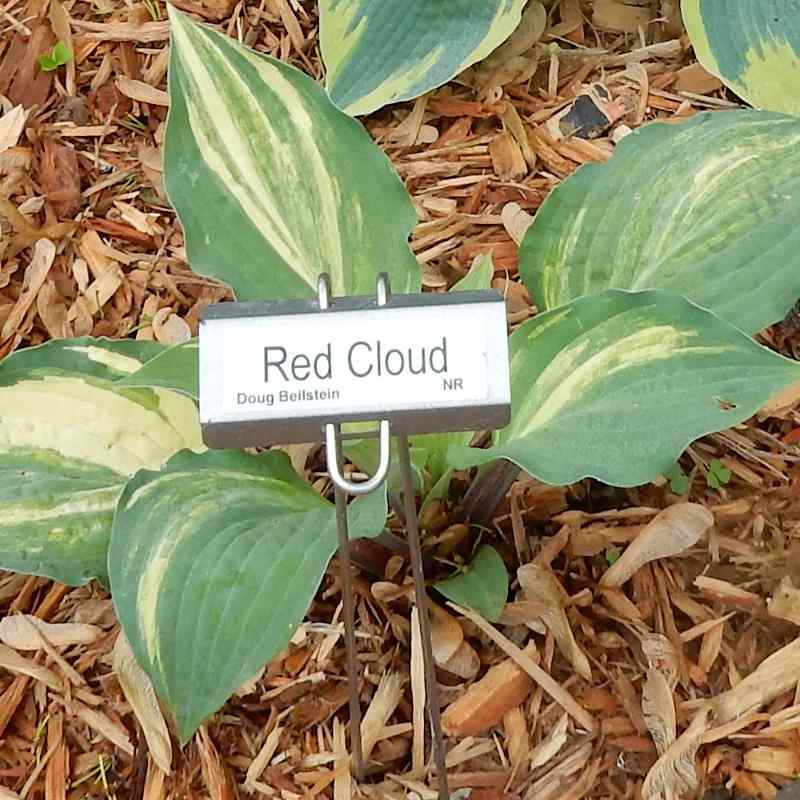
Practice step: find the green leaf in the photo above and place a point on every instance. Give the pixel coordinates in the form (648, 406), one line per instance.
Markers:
(61, 53)
(753, 46)
(112, 359)
(697, 208)
(378, 52)
(364, 453)
(272, 183)
(718, 474)
(175, 368)
(58, 57)
(616, 385)
(479, 276)
(481, 586)
(69, 439)
(214, 561)
(678, 479)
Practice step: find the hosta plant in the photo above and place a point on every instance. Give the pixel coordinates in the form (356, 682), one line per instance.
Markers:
(652, 271)
(378, 53)
(753, 46)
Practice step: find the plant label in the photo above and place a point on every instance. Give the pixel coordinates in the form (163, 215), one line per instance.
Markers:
(276, 373)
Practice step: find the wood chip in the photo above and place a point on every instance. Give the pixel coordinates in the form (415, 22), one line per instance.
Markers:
(695, 78)
(383, 704)
(785, 601)
(671, 532)
(540, 585)
(447, 635)
(342, 785)
(465, 662)
(775, 674)
(507, 159)
(13, 662)
(674, 775)
(141, 91)
(99, 722)
(124, 31)
(775, 760)
(141, 697)
(551, 745)
(482, 706)
(658, 708)
(726, 592)
(44, 253)
(169, 328)
(524, 660)
(15, 633)
(516, 221)
(60, 178)
(517, 741)
(11, 127)
(616, 15)
(215, 773)
(263, 757)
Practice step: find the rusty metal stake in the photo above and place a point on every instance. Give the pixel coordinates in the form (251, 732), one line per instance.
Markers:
(415, 549)
(348, 612)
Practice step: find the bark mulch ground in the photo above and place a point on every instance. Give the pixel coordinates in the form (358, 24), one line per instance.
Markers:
(672, 659)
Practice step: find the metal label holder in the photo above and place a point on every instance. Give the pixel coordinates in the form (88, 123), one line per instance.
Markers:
(494, 412)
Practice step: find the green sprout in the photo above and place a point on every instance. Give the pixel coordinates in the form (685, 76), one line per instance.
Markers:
(718, 474)
(678, 479)
(58, 57)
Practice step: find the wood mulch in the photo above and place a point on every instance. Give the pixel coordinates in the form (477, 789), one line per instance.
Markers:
(581, 691)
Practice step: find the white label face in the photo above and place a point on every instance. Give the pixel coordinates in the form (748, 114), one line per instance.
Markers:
(353, 362)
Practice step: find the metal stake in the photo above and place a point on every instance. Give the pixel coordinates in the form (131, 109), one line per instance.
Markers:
(343, 488)
(415, 550)
(348, 610)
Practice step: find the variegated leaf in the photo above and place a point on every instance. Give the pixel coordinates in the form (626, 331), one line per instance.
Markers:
(111, 359)
(175, 368)
(614, 386)
(753, 46)
(214, 561)
(378, 52)
(273, 184)
(69, 439)
(697, 208)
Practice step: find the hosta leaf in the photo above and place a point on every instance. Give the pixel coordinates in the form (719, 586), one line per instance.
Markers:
(697, 208)
(273, 184)
(378, 52)
(175, 368)
(479, 277)
(614, 386)
(365, 454)
(69, 439)
(481, 586)
(214, 561)
(112, 359)
(751, 45)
